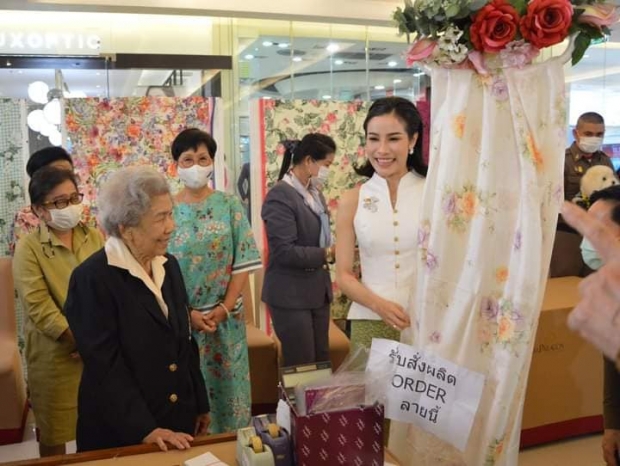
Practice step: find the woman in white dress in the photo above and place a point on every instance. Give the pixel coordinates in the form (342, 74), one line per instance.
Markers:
(382, 217)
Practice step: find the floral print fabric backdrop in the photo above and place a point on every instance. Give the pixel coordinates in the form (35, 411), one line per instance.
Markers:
(12, 171)
(107, 134)
(343, 122)
(491, 203)
(12, 187)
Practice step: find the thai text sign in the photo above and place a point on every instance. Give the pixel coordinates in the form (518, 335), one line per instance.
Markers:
(430, 392)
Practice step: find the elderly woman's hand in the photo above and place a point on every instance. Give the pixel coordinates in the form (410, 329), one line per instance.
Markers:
(178, 440)
(201, 323)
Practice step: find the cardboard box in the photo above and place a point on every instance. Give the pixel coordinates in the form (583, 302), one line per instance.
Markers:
(564, 394)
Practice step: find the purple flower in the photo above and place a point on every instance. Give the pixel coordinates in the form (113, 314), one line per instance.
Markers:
(517, 242)
(423, 234)
(517, 54)
(516, 316)
(435, 337)
(499, 89)
(449, 205)
(431, 261)
(489, 308)
(558, 194)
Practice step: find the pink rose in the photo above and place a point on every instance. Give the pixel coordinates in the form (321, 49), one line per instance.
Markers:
(420, 50)
(599, 15)
(477, 60)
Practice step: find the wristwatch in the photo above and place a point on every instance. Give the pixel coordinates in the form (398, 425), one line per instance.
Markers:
(329, 255)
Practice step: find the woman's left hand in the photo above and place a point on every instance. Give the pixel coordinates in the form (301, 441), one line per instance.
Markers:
(202, 424)
(217, 315)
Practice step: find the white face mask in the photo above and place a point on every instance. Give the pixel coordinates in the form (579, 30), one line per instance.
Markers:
(590, 145)
(320, 179)
(196, 177)
(65, 219)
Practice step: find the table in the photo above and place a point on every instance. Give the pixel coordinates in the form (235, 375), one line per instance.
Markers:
(223, 446)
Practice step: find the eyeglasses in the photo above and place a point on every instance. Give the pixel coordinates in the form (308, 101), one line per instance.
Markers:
(188, 163)
(74, 199)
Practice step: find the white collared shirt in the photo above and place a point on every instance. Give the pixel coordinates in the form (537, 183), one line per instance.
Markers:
(120, 256)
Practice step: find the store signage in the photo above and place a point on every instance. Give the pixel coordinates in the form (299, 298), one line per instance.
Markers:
(56, 43)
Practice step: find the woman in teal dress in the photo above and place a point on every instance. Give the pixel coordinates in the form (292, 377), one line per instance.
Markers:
(215, 248)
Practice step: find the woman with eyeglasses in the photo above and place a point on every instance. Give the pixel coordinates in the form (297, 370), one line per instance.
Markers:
(214, 245)
(42, 266)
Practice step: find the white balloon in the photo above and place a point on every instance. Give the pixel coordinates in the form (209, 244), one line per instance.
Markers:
(35, 120)
(46, 128)
(52, 111)
(37, 91)
(55, 138)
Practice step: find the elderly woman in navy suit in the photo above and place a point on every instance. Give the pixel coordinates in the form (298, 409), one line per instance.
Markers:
(297, 286)
(128, 310)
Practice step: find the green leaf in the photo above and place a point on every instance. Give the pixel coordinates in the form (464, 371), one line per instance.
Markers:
(520, 6)
(452, 10)
(477, 4)
(582, 42)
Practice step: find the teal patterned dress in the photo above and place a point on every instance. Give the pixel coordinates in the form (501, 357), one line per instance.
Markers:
(212, 241)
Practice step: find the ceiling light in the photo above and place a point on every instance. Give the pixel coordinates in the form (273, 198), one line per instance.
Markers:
(98, 86)
(379, 87)
(283, 45)
(326, 97)
(266, 97)
(392, 64)
(37, 91)
(338, 62)
(267, 43)
(249, 56)
(398, 81)
(331, 48)
(417, 75)
(297, 59)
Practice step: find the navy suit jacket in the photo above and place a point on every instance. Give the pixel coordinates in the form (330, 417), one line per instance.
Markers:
(141, 370)
(297, 276)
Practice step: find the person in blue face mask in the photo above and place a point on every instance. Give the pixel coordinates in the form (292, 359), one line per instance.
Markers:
(605, 205)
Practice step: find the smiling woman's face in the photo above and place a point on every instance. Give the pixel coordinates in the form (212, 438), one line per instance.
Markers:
(388, 145)
(150, 238)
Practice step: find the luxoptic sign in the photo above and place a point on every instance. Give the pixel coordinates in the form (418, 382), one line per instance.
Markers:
(25, 42)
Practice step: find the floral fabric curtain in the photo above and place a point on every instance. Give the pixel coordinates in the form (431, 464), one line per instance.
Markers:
(107, 134)
(488, 221)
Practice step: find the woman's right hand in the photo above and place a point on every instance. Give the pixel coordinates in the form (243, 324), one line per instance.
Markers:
(179, 440)
(392, 314)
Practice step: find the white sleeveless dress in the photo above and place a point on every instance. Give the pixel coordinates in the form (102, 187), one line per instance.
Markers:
(387, 239)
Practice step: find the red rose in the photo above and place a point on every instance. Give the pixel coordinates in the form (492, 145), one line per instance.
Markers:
(494, 26)
(546, 22)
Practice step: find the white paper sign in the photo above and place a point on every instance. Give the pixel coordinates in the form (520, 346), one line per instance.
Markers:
(430, 392)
